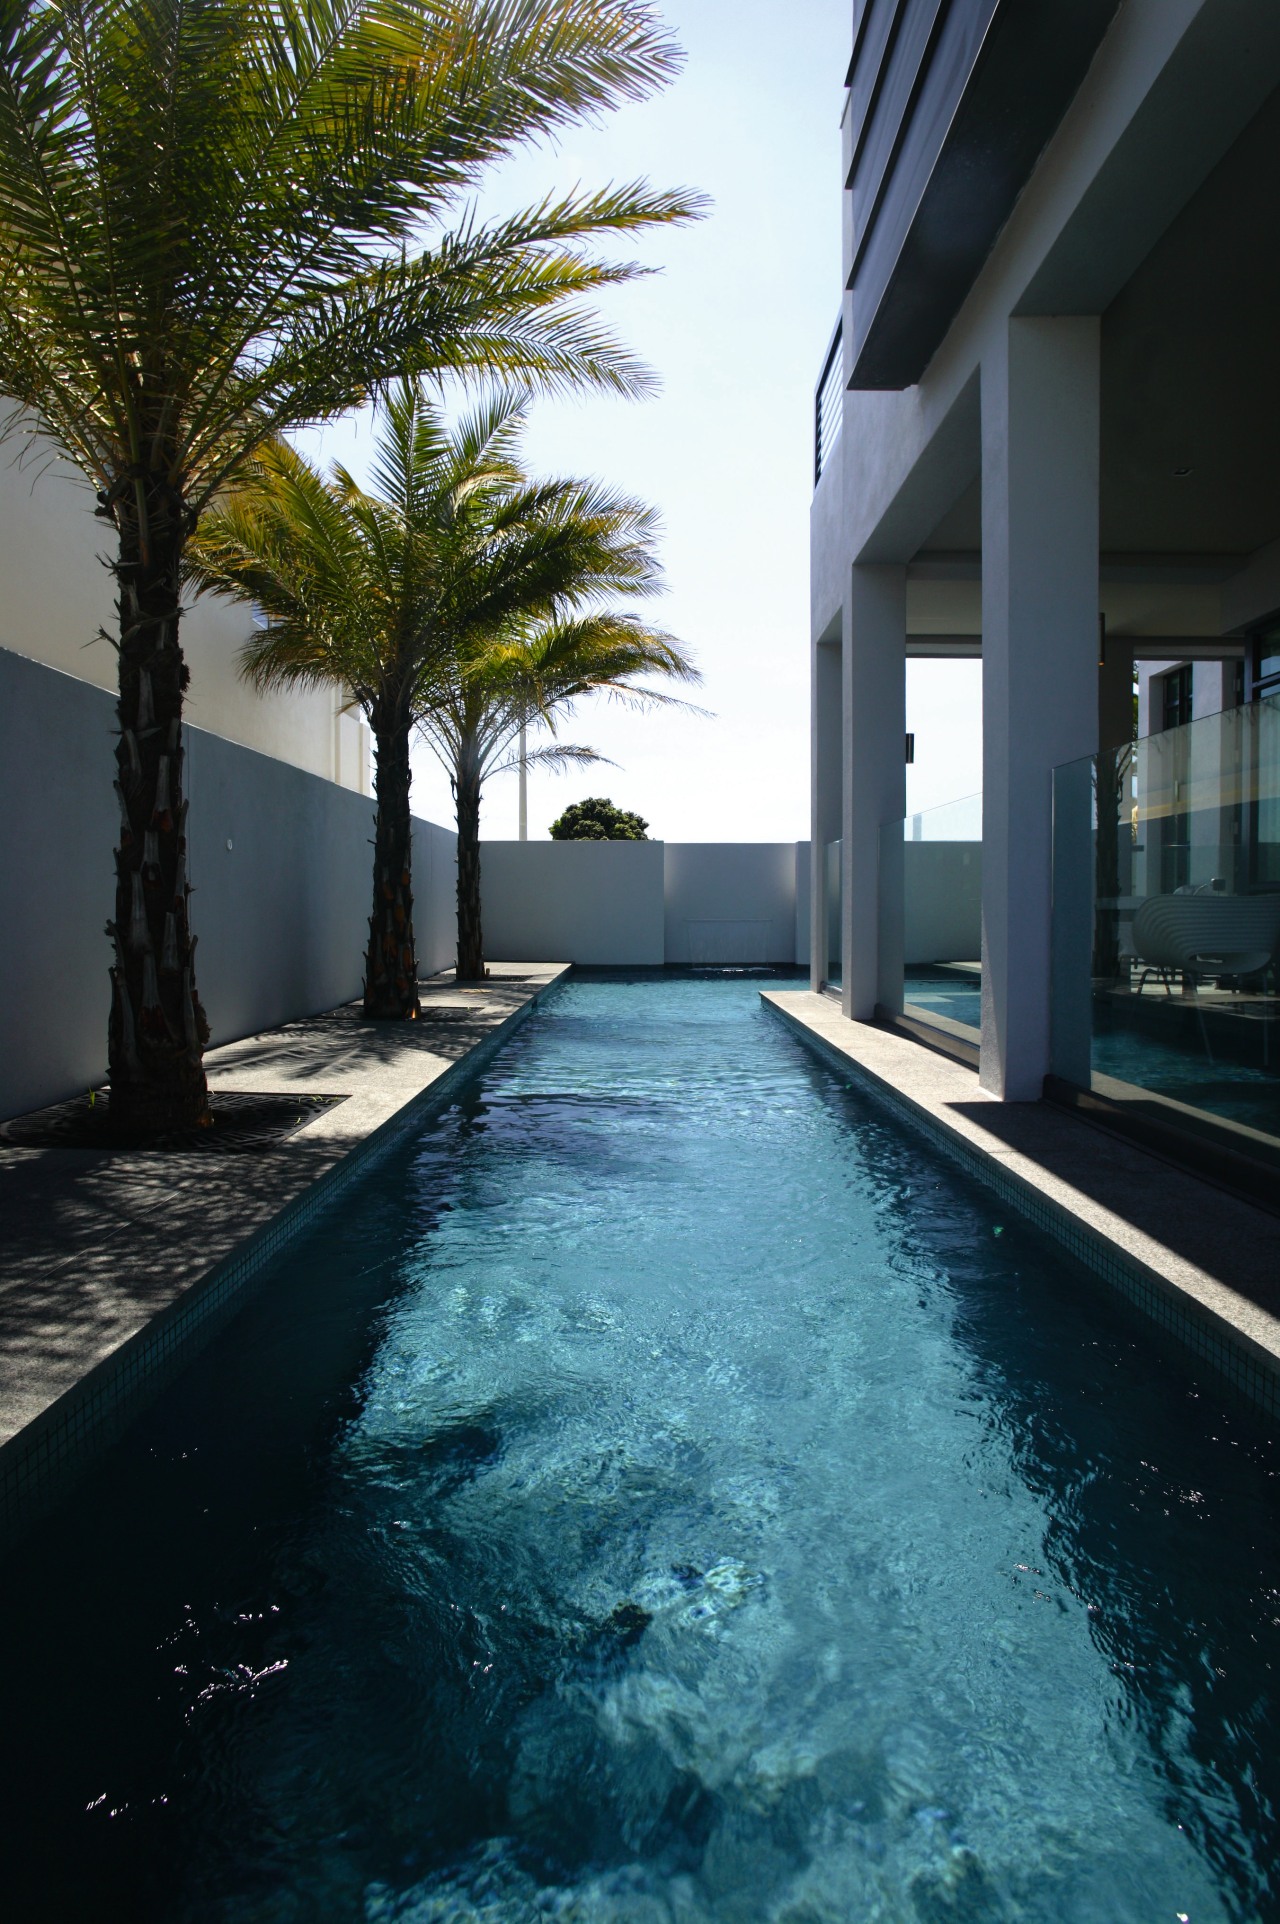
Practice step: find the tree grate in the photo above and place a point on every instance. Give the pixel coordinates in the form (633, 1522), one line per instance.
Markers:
(244, 1123)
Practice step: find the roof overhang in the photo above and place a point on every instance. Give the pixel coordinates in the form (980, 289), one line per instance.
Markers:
(992, 81)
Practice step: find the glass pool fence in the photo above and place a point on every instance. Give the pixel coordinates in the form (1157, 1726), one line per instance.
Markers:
(1166, 930)
(931, 890)
(835, 919)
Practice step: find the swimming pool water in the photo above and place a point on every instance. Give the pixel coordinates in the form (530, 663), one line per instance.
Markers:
(949, 992)
(663, 1494)
(1178, 1065)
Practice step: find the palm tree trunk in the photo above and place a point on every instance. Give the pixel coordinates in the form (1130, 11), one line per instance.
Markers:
(157, 1031)
(391, 966)
(470, 933)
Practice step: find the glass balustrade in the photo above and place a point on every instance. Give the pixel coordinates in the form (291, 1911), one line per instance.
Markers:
(931, 891)
(1166, 932)
(834, 878)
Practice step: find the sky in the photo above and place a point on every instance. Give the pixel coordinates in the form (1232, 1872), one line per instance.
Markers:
(735, 324)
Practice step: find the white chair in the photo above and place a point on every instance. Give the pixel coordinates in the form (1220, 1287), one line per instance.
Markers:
(1198, 935)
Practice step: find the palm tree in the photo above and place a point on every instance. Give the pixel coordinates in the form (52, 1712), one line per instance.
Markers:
(458, 599)
(223, 218)
(531, 672)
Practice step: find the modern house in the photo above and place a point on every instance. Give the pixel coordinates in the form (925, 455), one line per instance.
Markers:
(1044, 435)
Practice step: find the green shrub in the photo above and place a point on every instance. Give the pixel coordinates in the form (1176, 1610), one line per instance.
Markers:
(598, 820)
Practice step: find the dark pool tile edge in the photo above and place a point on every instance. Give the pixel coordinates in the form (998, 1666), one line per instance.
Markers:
(1244, 1369)
(40, 1463)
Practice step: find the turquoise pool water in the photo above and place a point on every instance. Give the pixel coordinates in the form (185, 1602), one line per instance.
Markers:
(664, 1494)
(1175, 1065)
(1179, 1066)
(949, 992)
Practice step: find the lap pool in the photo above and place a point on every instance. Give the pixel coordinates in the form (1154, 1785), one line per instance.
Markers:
(662, 1494)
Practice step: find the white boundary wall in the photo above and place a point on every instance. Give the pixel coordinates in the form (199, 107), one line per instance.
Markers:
(643, 904)
(598, 903)
(281, 914)
(730, 903)
(280, 865)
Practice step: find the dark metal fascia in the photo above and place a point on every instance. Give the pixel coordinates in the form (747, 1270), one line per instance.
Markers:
(877, 87)
(940, 18)
(887, 360)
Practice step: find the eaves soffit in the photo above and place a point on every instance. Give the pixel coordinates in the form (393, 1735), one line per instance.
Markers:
(964, 99)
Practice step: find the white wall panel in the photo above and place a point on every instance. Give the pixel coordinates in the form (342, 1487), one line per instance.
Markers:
(598, 903)
(730, 903)
(435, 895)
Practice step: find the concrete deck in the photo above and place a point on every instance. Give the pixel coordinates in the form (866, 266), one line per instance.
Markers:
(1202, 1263)
(115, 1266)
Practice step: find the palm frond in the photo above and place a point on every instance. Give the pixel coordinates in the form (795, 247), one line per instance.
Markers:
(462, 592)
(221, 219)
(555, 756)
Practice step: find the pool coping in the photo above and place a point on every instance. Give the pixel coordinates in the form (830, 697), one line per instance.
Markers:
(382, 1103)
(1200, 1263)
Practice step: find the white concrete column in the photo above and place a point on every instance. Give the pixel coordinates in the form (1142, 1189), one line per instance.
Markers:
(875, 780)
(1039, 661)
(825, 779)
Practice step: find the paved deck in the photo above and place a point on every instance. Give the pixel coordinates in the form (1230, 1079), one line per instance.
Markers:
(115, 1265)
(1203, 1263)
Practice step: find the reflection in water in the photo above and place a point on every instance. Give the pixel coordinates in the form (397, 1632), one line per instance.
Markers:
(666, 1495)
(948, 989)
(1166, 927)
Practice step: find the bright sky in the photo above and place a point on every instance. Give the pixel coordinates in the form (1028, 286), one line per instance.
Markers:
(736, 325)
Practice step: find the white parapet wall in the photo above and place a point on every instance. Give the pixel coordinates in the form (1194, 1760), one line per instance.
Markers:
(643, 904)
(597, 903)
(279, 861)
(942, 902)
(730, 904)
